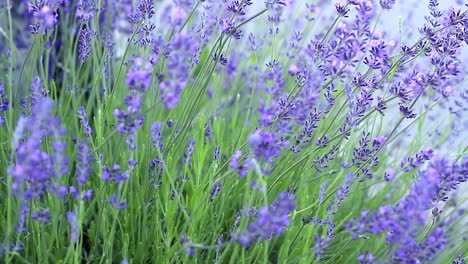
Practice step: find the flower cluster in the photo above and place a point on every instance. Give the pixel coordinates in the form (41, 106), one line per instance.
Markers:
(271, 221)
(402, 221)
(4, 103)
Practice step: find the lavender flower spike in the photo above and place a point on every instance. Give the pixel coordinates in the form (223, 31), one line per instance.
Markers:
(271, 221)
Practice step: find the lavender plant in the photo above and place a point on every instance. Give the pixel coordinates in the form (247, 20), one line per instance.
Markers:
(233, 131)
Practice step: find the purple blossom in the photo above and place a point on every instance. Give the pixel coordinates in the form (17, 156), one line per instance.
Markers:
(364, 153)
(340, 194)
(42, 215)
(182, 56)
(45, 16)
(83, 117)
(235, 164)
(139, 78)
(83, 166)
(115, 174)
(416, 160)
(264, 145)
(217, 154)
(4, 103)
(146, 8)
(190, 251)
(451, 175)
(35, 170)
(38, 93)
(84, 46)
(238, 7)
(267, 114)
(459, 259)
(403, 221)
(390, 174)
(156, 135)
(74, 227)
(215, 191)
(130, 120)
(85, 10)
(88, 195)
(271, 221)
(366, 258)
(321, 244)
(342, 10)
(323, 187)
(189, 152)
(119, 205)
(208, 132)
(387, 4)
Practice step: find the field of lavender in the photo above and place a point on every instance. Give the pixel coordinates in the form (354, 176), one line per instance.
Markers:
(223, 131)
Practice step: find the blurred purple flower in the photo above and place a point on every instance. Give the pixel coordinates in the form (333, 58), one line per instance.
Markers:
(74, 228)
(271, 221)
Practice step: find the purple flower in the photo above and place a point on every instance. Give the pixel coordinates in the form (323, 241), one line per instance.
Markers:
(38, 93)
(146, 8)
(88, 195)
(264, 145)
(238, 7)
(119, 205)
(416, 160)
(390, 174)
(115, 174)
(83, 166)
(190, 251)
(340, 194)
(139, 79)
(365, 258)
(62, 192)
(73, 191)
(364, 153)
(74, 227)
(217, 154)
(4, 103)
(321, 244)
(45, 16)
(35, 169)
(42, 215)
(156, 135)
(451, 175)
(130, 120)
(189, 152)
(236, 165)
(182, 56)
(323, 188)
(342, 10)
(267, 114)
(387, 4)
(215, 191)
(85, 10)
(83, 117)
(271, 221)
(459, 259)
(208, 132)
(403, 221)
(84, 46)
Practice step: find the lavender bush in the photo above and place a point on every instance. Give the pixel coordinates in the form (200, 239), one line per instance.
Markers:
(222, 131)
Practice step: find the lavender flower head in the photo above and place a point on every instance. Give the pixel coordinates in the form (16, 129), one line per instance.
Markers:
(271, 221)
(74, 227)
(139, 78)
(4, 103)
(45, 16)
